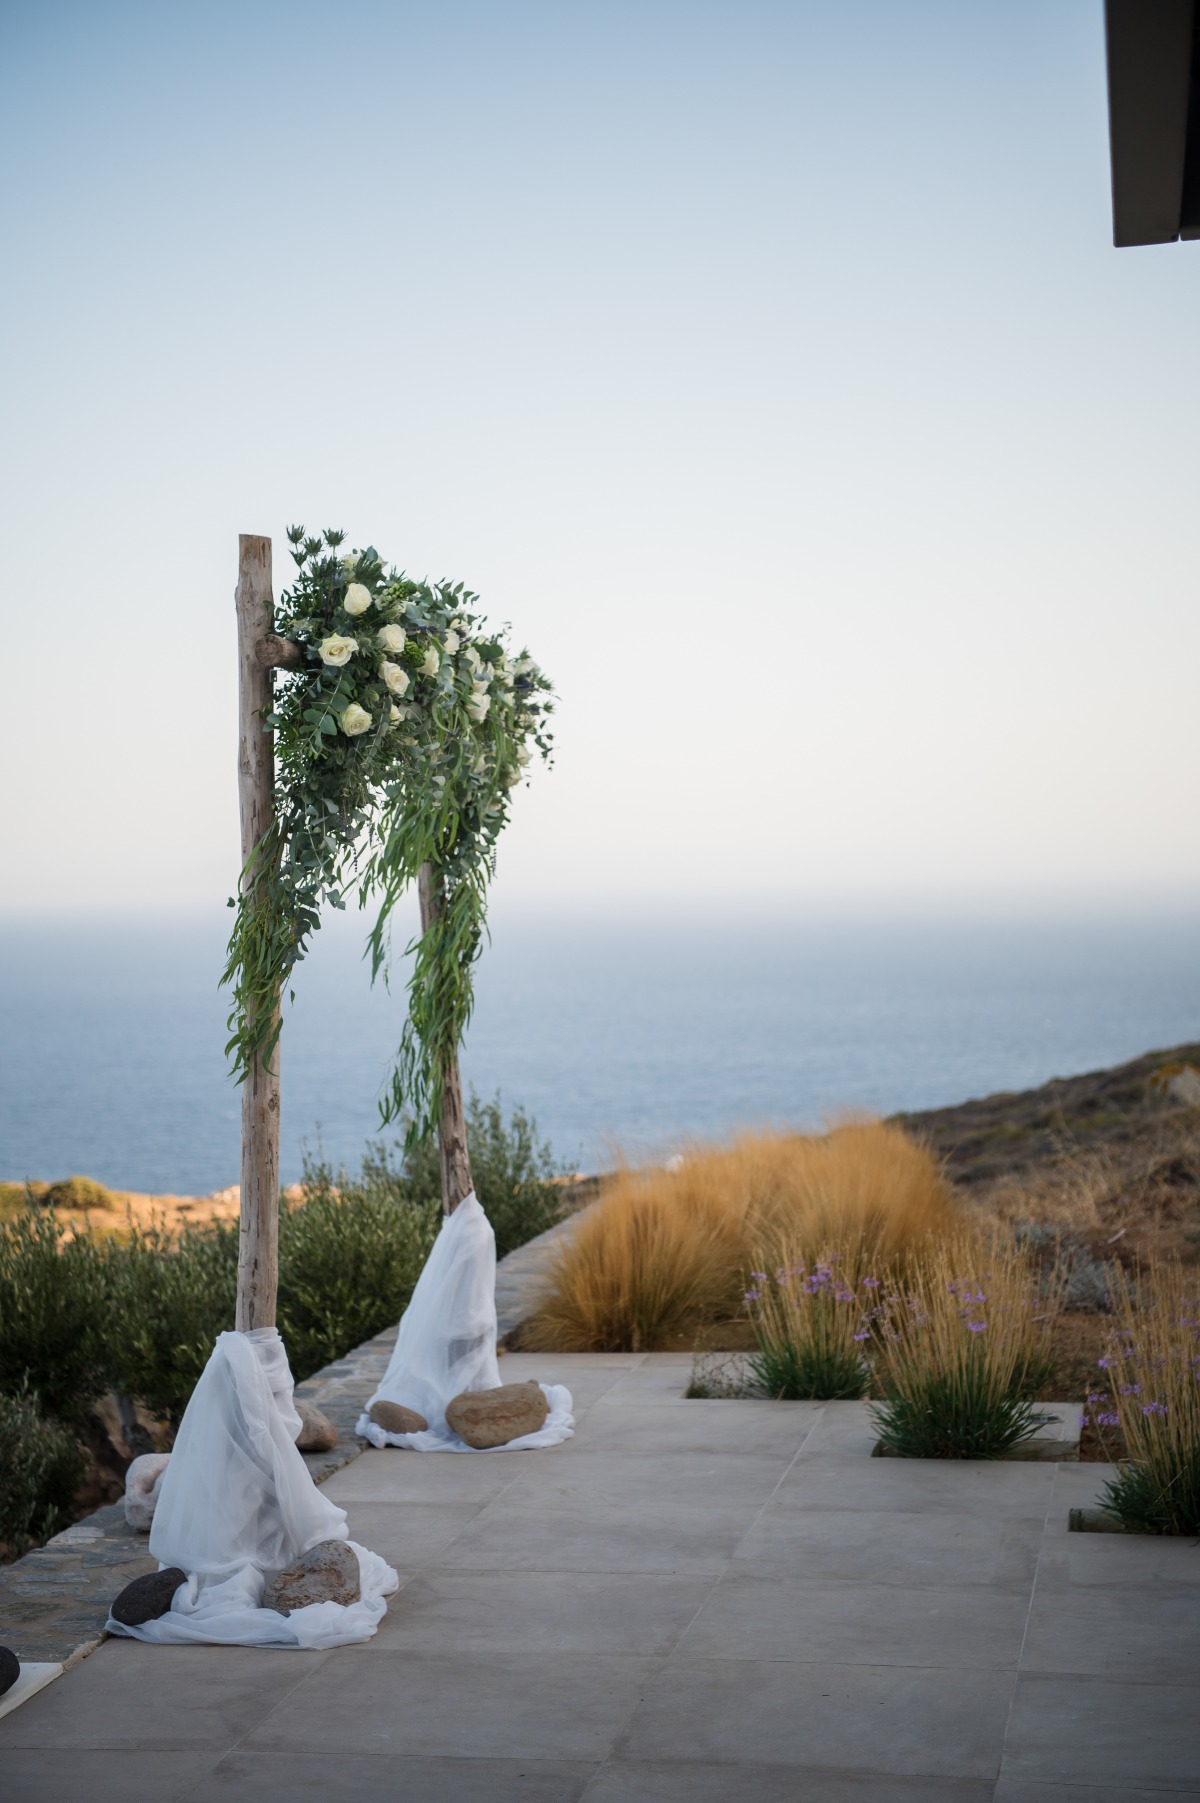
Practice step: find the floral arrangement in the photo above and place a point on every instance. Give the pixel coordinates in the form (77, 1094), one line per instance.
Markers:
(400, 738)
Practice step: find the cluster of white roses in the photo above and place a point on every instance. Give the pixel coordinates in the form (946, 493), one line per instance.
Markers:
(478, 677)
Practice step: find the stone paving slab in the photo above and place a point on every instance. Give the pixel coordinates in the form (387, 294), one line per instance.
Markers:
(764, 1617)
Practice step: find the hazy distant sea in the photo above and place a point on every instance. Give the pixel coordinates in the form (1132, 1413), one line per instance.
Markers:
(111, 1059)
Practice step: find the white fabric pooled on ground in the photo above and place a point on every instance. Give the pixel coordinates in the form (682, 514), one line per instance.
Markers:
(238, 1502)
(447, 1343)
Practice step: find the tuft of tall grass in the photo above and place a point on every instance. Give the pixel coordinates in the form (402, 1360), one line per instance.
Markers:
(1152, 1374)
(664, 1250)
(963, 1343)
(813, 1326)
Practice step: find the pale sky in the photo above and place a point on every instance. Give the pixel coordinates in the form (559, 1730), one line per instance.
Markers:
(768, 365)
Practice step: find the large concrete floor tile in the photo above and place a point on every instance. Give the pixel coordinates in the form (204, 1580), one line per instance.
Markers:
(1149, 1635)
(949, 1486)
(652, 1385)
(1112, 1561)
(280, 1777)
(862, 1546)
(413, 1477)
(132, 1695)
(728, 1430)
(690, 1782)
(628, 1481)
(858, 1624)
(843, 1428)
(1105, 1732)
(408, 1535)
(693, 1539)
(557, 1612)
(432, 1704)
(1017, 1790)
(87, 1775)
(892, 1720)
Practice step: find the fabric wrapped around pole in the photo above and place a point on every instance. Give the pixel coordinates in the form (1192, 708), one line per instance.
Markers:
(447, 1343)
(239, 1503)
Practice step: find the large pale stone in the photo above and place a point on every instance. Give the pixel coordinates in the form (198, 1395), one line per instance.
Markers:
(394, 1418)
(148, 1597)
(317, 1432)
(143, 1486)
(326, 1573)
(494, 1417)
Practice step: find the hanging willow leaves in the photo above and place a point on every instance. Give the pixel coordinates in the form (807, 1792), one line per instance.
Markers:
(398, 744)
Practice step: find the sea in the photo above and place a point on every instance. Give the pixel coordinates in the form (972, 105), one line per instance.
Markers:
(622, 1035)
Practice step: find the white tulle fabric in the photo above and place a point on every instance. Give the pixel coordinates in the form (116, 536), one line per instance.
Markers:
(447, 1343)
(238, 1502)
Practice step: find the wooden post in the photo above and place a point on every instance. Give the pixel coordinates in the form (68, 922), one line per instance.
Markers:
(258, 1242)
(452, 1130)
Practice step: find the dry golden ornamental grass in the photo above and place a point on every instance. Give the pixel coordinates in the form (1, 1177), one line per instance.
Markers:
(664, 1251)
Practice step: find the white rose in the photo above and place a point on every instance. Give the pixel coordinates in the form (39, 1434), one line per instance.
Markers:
(337, 650)
(355, 720)
(396, 715)
(472, 659)
(432, 662)
(524, 666)
(523, 756)
(358, 599)
(350, 562)
(477, 707)
(512, 778)
(451, 642)
(392, 638)
(395, 677)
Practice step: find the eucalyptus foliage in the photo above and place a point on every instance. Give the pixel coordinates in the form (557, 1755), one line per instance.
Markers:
(398, 744)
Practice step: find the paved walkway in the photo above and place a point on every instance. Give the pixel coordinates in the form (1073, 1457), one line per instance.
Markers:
(691, 1602)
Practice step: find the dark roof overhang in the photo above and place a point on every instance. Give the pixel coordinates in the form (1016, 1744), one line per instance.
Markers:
(1154, 119)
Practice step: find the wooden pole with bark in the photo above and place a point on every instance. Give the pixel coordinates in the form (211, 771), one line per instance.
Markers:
(452, 1128)
(258, 650)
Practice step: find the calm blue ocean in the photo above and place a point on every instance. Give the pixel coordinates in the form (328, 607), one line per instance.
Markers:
(609, 1031)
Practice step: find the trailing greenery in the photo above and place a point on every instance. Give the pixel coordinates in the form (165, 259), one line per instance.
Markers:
(398, 744)
(41, 1467)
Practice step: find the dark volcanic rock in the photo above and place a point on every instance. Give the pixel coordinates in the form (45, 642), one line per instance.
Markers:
(326, 1573)
(148, 1597)
(10, 1669)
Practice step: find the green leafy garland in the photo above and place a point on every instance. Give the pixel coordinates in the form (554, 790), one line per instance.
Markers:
(398, 744)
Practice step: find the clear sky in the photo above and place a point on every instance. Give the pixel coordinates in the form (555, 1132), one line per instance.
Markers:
(768, 365)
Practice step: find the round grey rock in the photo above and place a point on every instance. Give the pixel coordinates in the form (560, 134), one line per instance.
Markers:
(10, 1669)
(147, 1597)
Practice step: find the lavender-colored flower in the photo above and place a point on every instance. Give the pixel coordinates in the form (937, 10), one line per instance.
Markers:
(870, 1283)
(860, 1336)
(753, 1296)
(759, 1276)
(1154, 1408)
(1104, 1364)
(1131, 1389)
(1097, 1396)
(1108, 1421)
(976, 1326)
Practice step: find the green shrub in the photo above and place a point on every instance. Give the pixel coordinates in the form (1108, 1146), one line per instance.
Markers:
(349, 1257)
(78, 1193)
(171, 1297)
(41, 1467)
(513, 1172)
(55, 1314)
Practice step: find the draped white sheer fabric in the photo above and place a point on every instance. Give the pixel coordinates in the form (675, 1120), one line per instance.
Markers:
(238, 1502)
(447, 1343)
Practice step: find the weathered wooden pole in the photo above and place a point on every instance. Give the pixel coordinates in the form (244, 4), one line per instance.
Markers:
(452, 1128)
(258, 1241)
